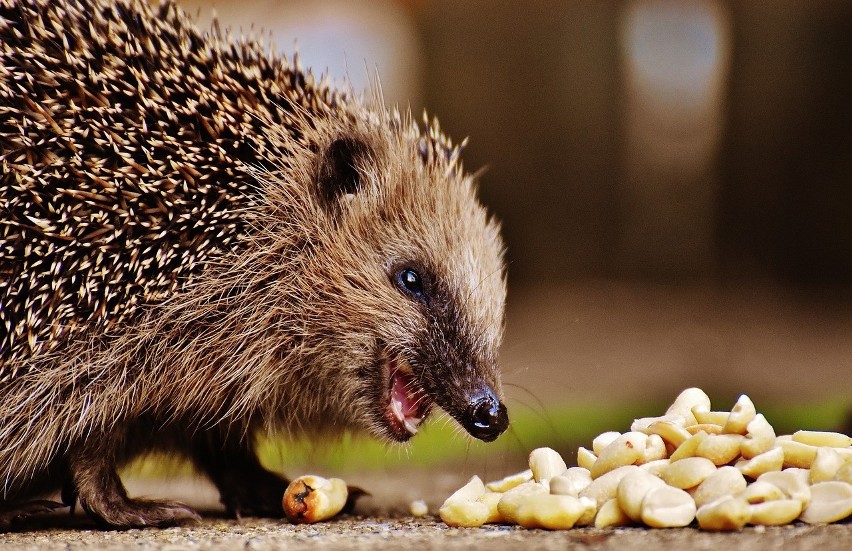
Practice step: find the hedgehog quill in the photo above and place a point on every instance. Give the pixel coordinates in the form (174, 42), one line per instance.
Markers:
(200, 242)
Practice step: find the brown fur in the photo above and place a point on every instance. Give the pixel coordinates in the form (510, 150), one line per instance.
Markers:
(283, 324)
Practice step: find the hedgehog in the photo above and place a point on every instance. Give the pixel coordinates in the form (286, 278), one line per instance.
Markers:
(201, 243)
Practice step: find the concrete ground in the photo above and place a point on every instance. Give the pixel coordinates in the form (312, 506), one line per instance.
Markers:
(373, 533)
(382, 522)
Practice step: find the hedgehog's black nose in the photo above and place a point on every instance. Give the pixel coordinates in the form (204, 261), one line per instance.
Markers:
(486, 417)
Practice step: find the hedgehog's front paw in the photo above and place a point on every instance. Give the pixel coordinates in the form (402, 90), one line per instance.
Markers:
(102, 495)
(138, 513)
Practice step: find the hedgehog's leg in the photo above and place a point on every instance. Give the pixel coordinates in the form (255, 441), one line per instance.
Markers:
(102, 495)
(246, 488)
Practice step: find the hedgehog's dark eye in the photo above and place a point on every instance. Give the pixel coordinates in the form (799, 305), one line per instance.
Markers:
(410, 282)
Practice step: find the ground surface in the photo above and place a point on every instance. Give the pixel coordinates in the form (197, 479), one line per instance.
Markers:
(381, 522)
(429, 533)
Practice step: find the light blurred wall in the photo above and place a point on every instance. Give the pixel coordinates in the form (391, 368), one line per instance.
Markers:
(351, 42)
(675, 59)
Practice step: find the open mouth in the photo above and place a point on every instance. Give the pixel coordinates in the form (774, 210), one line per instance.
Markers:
(407, 402)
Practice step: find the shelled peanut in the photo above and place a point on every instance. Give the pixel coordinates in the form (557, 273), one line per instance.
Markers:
(311, 498)
(723, 469)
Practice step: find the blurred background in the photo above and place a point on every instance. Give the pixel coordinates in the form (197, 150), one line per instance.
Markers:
(674, 180)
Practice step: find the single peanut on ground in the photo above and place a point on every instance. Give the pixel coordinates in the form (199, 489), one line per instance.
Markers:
(312, 498)
(463, 509)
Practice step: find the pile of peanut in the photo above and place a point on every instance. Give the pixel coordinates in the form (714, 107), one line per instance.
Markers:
(723, 469)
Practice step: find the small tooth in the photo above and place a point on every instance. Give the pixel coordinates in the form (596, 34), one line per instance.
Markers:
(396, 408)
(410, 427)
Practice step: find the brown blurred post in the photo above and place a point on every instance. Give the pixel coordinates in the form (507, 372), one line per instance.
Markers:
(675, 67)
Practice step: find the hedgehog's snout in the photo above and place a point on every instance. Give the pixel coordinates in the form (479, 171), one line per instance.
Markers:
(485, 417)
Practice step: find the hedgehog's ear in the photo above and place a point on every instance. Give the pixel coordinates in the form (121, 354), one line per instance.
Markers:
(338, 175)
